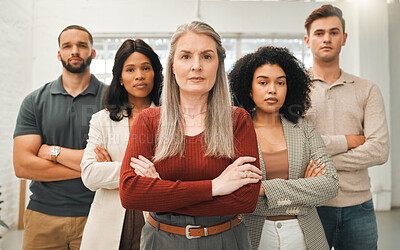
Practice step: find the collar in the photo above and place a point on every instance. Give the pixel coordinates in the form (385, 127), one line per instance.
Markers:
(286, 122)
(58, 87)
(152, 105)
(343, 79)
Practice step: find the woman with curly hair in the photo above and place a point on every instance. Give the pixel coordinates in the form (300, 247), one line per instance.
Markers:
(298, 173)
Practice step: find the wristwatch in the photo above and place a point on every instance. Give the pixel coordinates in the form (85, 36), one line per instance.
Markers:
(54, 152)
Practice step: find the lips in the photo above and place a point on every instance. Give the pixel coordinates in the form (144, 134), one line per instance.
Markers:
(75, 60)
(140, 85)
(196, 79)
(271, 100)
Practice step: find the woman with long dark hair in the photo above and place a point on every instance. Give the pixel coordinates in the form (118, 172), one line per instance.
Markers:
(136, 85)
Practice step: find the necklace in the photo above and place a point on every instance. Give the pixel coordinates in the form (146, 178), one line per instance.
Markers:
(194, 115)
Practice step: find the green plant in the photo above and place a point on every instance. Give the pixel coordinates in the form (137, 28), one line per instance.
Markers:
(2, 223)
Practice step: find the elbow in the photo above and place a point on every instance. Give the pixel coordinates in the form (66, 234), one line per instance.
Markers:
(88, 175)
(251, 209)
(384, 156)
(90, 185)
(334, 187)
(126, 202)
(19, 171)
(87, 181)
(123, 195)
(251, 205)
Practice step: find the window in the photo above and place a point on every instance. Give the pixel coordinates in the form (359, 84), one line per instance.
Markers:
(235, 46)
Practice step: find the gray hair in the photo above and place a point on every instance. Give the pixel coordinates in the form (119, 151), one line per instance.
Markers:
(218, 133)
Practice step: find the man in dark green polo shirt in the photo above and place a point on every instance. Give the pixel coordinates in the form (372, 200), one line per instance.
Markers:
(49, 138)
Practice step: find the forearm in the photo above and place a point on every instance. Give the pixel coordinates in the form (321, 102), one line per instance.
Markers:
(155, 195)
(362, 157)
(29, 165)
(335, 144)
(303, 192)
(375, 150)
(242, 201)
(70, 158)
(96, 175)
(38, 169)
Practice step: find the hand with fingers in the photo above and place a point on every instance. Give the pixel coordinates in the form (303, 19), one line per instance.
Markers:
(235, 176)
(315, 169)
(102, 154)
(144, 167)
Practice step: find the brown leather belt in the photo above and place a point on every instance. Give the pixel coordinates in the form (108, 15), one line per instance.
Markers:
(193, 232)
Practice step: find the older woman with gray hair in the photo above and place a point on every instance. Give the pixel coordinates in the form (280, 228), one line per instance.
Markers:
(193, 162)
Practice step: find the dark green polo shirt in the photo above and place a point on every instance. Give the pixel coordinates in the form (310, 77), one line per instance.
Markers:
(61, 120)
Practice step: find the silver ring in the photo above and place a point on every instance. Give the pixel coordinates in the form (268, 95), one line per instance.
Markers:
(247, 172)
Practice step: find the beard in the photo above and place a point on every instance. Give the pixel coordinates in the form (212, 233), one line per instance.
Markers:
(77, 69)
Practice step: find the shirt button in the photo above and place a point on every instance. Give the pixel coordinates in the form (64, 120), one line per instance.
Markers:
(278, 225)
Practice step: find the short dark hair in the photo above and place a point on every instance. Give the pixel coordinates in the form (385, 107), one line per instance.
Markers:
(115, 99)
(297, 79)
(326, 10)
(76, 27)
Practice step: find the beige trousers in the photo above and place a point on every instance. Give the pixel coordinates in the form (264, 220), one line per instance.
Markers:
(44, 231)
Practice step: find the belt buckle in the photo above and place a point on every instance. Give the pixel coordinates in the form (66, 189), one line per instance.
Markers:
(187, 232)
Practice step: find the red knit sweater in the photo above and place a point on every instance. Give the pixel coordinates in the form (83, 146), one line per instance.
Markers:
(185, 185)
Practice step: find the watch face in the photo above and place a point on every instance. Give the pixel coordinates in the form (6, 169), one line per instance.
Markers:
(54, 151)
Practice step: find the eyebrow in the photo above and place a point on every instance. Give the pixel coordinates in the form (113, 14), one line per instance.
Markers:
(67, 43)
(266, 77)
(144, 63)
(333, 29)
(202, 52)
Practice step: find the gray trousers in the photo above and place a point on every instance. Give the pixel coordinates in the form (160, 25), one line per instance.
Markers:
(153, 238)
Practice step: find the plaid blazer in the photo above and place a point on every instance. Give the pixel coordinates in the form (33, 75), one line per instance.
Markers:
(297, 196)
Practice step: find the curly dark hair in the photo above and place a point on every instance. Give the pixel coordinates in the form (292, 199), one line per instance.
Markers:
(115, 99)
(298, 81)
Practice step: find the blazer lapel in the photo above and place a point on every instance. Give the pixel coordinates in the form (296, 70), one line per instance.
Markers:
(262, 164)
(294, 144)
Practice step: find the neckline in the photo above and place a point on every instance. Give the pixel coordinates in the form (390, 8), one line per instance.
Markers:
(194, 136)
(275, 152)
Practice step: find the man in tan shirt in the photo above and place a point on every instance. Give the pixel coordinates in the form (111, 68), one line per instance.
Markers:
(349, 113)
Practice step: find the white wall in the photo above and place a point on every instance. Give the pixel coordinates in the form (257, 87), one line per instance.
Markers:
(374, 65)
(158, 16)
(15, 82)
(394, 48)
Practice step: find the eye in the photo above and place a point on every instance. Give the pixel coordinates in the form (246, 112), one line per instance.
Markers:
(334, 33)
(66, 46)
(281, 83)
(83, 46)
(207, 57)
(185, 57)
(263, 83)
(130, 70)
(147, 68)
(319, 33)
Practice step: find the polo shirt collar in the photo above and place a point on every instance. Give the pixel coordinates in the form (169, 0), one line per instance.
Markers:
(343, 79)
(58, 88)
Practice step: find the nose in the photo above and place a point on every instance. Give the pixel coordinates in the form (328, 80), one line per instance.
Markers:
(271, 88)
(196, 64)
(75, 50)
(139, 75)
(327, 37)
